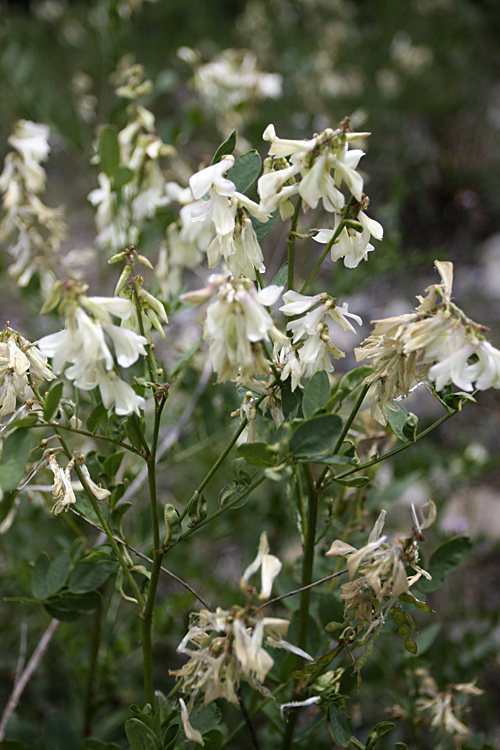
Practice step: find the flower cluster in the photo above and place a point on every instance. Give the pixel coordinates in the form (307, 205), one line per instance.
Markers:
(308, 171)
(226, 647)
(38, 229)
(442, 706)
(63, 489)
(237, 322)
(18, 359)
(310, 348)
(83, 345)
(377, 571)
(125, 201)
(436, 341)
(229, 81)
(353, 242)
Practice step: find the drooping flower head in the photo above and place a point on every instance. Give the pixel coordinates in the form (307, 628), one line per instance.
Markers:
(436, 341)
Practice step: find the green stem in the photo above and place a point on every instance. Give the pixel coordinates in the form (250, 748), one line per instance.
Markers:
(327, 249)
(147, 619)
(219, 512)
(397, 450)
(118, 443)
(307, 576)
(345, 430)
(308, 561)
(230, 737)
(290, 241)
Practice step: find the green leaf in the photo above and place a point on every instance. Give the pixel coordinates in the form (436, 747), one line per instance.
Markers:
(290, 400)
(122, 176)
(451, 554)
(52, 399)
(258, 454)
(15, 454)
(324, 459)
(352, 482)
(58, 572)
(39, 579)
(378, 731)
(116, 519)
(316, 393)
(170, 738)
(173, 524)
(133, 432)
(109, 150)
(340, 724)
(197, 508)
(140, 736)
(437, 580)
(458, 399)
(96, 416)
(206, 720)
(348, 384)
(427, 637)
(245, 170)
(88, 576)
(403, 423)
(281, 277)
(112, 463)
(315, 435)
(225, 148)
(230, 493)
(401, 746)
(27, 421)
(70, 602)
(261, 228)
(91, 744)
(84, 506)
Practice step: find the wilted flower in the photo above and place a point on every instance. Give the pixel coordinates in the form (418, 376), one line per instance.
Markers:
(62, 490)
(377, 573)
(228, 646)
(436, 341)
(442, 705)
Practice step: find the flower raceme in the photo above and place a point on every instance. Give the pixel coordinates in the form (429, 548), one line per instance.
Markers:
(18, 359)
(235, 239)
(227, 647)
(82, 344)
(237, 321)
(377, 571)
(305, 167)
(310, 348)
(435, 341)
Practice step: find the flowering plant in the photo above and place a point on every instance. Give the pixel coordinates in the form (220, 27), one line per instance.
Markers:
(86, 406)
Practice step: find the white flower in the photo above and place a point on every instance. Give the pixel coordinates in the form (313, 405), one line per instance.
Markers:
(116, 391)
(270, 568)
(212, 182)
(351, 245)
(235, 324)
(192, 734)
(62, 490)
(99, 492)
